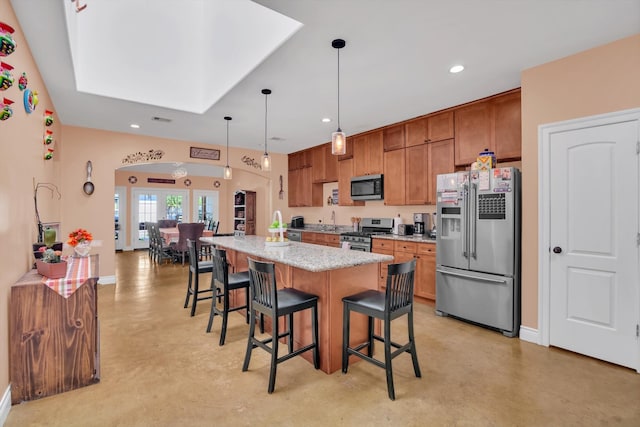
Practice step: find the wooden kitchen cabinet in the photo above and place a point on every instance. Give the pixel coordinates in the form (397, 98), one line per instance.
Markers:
(440, 126)
(393, 137)
(324, 164)
(394, 178)
(348, 154)
(345, 172)
(415, 132)
(441, 159)
(325, 239)
(473, 132)
(416, 162)
(303, 192)
(425, 256)
(507, 119)
(494, 123)
(367, 153)
(385, 247)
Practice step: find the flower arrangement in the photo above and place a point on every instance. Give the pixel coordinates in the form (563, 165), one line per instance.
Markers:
(79, 236)
(49, 255)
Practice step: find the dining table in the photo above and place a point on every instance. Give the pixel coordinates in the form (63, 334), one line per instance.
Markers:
(172, 234)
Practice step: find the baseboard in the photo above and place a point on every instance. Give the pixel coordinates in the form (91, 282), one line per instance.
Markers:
(5, 405)
(107, 280)
(529, 334)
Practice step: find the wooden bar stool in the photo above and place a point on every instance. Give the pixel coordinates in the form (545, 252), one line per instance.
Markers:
(267, 300)
(197, 267)
(396, 301)
(223, 283)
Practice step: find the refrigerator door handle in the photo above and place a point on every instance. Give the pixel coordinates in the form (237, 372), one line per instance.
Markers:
(467, 276)
(465, 230)
(472, 220)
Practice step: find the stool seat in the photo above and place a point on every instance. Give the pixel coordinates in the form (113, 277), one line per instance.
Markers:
(396, 301)
(267, 300)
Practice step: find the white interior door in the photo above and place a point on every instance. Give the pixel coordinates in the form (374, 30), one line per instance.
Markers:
(206, 206)
(593, 229)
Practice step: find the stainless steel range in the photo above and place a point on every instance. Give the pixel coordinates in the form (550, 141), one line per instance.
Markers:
(361, 240)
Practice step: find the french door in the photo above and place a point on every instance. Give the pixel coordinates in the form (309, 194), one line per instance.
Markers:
(206, 206)
(152, 204)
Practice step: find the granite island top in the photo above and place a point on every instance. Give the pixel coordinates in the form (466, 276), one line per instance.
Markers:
(305, 256)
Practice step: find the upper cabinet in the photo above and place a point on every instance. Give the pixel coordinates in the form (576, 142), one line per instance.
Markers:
(345, 172)
(367, 153)
(394, 137)
(439, 126)
(432, 128)
(494, 123)
(325, 164)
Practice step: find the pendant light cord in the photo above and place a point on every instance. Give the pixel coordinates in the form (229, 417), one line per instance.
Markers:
(338, 88)
(265, 123)
(227, 143)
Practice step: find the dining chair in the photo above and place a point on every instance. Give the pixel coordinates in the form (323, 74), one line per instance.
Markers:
(394, 302)
(186, 231)
(223, 284)
(267, 300)
(197, 267)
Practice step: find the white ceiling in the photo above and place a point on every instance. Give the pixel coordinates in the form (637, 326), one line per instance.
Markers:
(394, 66)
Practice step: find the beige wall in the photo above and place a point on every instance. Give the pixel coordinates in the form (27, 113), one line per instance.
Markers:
(600, 80)
(95, 212)
(22, 163)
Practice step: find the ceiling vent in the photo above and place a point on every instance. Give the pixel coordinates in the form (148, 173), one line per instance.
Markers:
(161, 119)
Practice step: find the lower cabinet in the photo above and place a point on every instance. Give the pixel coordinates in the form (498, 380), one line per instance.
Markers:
(403, 251)
(325, 239)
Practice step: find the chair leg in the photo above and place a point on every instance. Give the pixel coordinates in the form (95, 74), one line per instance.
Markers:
(414, 354)
(314, 332)
(252, 330)
(225, 316)
(196, 288)
(371, 340)
(290, 328)
(274, 357)
(212, 313)
(186, 301)
(387, 359)
(345, 337)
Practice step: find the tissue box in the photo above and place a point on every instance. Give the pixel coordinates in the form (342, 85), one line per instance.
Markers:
(486, 160)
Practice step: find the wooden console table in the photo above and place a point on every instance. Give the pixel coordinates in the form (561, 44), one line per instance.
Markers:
(54, 341)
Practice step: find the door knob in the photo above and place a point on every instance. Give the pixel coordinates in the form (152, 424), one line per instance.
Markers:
(557, 250)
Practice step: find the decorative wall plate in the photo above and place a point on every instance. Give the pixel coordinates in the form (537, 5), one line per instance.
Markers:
(30, 100)
(216, 184)
(187, 182)
(133, 179)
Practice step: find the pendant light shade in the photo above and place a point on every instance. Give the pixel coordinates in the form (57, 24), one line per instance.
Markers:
(338, 138)
(228, 173)
(266, 159)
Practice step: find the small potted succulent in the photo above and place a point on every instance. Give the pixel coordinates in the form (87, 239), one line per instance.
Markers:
(50, 264)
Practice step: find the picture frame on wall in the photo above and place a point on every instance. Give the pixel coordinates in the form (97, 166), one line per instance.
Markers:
(204, 153)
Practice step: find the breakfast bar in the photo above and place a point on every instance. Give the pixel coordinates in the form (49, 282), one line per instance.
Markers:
(330, 273)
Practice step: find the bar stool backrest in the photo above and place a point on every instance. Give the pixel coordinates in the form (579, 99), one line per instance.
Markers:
(262, 281)
(399, 292)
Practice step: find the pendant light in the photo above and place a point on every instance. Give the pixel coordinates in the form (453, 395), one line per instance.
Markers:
(228, 173)
(338, 138)
(266, 159)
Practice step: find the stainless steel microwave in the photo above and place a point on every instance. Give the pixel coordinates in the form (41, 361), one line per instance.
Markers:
(368, 187)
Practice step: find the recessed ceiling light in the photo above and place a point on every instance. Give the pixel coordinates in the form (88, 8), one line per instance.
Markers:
(135, 126)
(456, 69)
(326, 120)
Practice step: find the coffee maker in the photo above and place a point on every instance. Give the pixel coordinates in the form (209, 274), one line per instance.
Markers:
(421, 223)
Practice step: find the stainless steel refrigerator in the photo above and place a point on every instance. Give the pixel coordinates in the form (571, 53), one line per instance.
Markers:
(478, 248)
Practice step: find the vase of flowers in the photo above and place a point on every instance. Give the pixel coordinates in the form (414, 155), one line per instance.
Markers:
(80, 241)
(50, 264)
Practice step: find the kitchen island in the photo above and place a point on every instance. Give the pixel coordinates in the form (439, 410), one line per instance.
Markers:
(330, 273)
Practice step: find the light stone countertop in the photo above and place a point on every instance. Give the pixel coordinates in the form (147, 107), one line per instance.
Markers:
(306, 256)
(412, 238)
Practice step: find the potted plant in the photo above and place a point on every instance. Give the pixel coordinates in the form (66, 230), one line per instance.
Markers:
(80, 241)
(50, 264)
